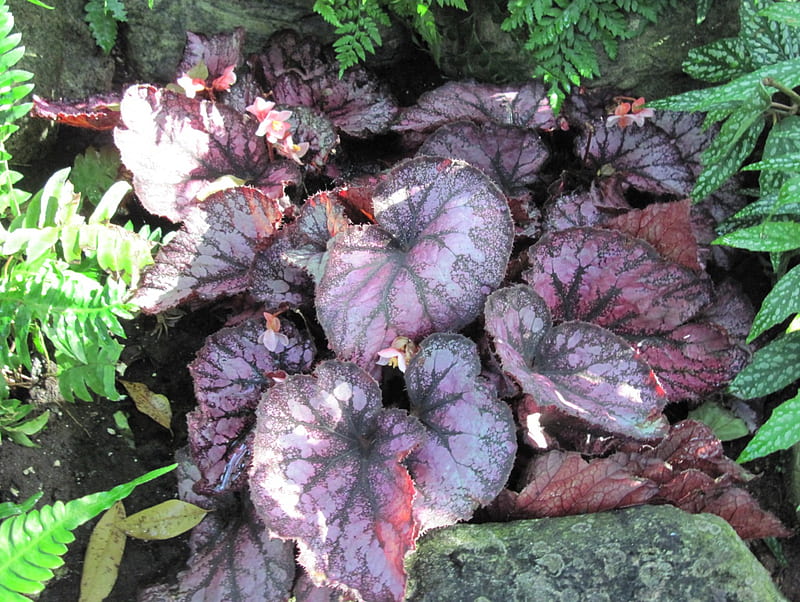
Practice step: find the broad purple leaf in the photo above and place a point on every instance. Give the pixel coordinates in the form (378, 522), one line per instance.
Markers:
(212, 253)
(666, 226)
(644, 158)
(525, 106)
(585, 208)
(230, 373)
(310, 125)
(177, 147)
(327, 471)
(687, 133)
(577, 369)
(98, 112)
(217, 52)
(239, 563)
(731, 309)
(274, 281)
(442, 243)
(471, 441)
(694, 360)
(288, 51)
(562, 483)
(509, 155)
(613, 280)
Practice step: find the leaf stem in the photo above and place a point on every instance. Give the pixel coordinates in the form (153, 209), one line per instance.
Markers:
(773, 83)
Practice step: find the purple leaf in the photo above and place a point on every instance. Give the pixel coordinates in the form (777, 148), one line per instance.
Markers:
(217, 52)
(327, 472)
(239, 563)
(299, 75)
(562, 483)
(577, 369)
(471, 441)
(687, 133)
(586, 208)
(310, 125)
(177, 147)
(525, 106)
(644, 158)
(510, 156)
(230, 373)
(442, 243)
(613, 280)
(212, 254)
(694, 360)
(274, 281)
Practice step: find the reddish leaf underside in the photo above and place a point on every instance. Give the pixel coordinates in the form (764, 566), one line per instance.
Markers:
(579, 369)
(99, 112)
(511, 156)
(442, 243)
(212, 254)
(613, 280)
(326, 450)
(177, 147)
(471, 442)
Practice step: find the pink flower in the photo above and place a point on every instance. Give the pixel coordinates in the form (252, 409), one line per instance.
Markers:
(398, 355)
(191, 85)
(626, 113)
(260, 108)
(272, 338)
(275, 126)
(224, 81)
(290, 150)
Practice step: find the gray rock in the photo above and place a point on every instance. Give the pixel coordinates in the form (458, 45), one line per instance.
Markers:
(644, 553)
(65, 61)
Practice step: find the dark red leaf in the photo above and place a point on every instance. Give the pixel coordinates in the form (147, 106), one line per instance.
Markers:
(471, 442)
(327, 472)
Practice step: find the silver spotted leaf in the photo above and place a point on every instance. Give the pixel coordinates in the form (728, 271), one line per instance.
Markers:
(327, 472)
(471, 442)
(441, 244)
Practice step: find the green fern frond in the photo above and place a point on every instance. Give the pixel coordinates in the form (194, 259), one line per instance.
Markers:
(32, 544)
(103, 17)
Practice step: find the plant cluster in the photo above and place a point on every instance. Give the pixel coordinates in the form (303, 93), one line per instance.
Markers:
(757, 72)
(544, 323)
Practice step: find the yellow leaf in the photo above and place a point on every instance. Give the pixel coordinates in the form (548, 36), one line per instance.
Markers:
(153, 404)
(103, 555)
(164, 520)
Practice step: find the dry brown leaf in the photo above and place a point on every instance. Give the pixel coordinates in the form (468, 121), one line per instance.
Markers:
(154, 405)
(164, 520)
(103, 555)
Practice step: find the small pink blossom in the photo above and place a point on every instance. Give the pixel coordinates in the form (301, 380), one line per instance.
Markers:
(260, 108)
(272, 338)
(398, 355)
(225, 80)
(627, 113)
(293, 151)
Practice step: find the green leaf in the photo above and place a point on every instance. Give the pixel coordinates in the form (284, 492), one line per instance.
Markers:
(721, 60)
(781, 302)
(11, 509)
(32, 544)
(725, 424)
(785, 12)
(95, 171)
(769, 236)
(773, 367)
(781, 431)
(788, 162)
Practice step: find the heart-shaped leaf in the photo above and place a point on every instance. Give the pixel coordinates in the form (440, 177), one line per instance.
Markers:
(326, 448)
(511, 156)
(212, 254)
(177, 147)
(578, 369)
(442, 243)
(613, 280)
(471, 441)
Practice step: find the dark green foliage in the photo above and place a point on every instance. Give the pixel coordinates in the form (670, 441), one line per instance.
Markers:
(758, 72)
(103, 17)
(32, 542)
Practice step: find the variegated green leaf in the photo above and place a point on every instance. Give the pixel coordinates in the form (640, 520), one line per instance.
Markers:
(781, 431)
(727, 95)
(783, 139)
(721, 60)
(769, 236)
(785, 12)
(773, 368)
(767, 41)
(781, 302)
(785, 162)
